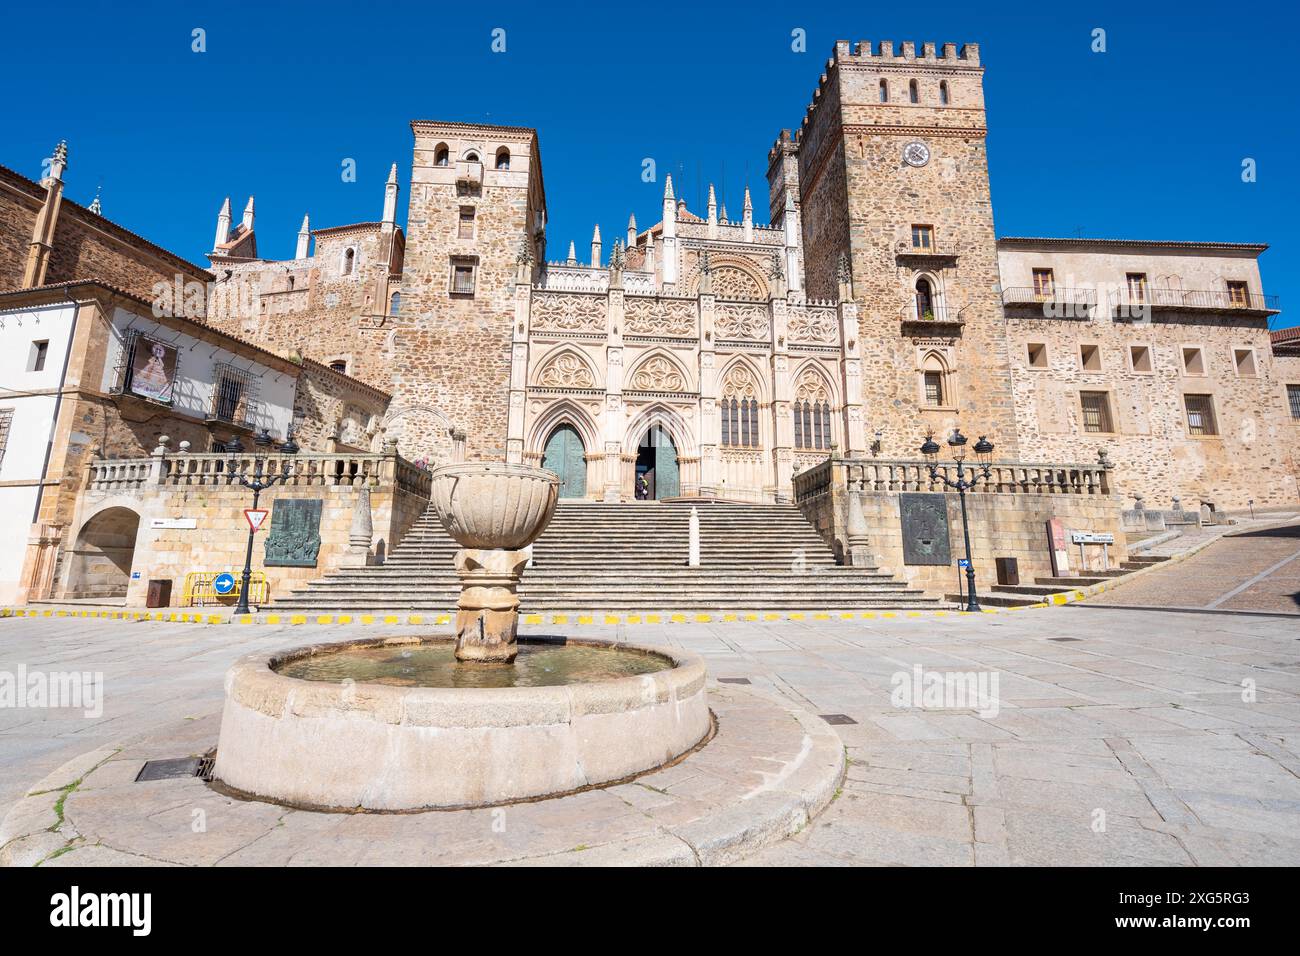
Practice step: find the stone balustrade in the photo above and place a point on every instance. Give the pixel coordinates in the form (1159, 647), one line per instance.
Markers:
(304, 469)
(911, 475)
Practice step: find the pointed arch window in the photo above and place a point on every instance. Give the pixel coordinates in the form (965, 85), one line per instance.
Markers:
(739, 412)
(943, 93)
(812, 414)
(925, 310)
(349, 261)
(441, 155)
(934, 383)
(395, 303)
(503, 158)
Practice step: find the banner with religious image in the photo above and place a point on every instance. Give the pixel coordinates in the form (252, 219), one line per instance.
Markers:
(153, 370)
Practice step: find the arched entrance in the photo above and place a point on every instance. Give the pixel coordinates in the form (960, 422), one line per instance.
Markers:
(102, 556)
(657, 472)
(565, 456)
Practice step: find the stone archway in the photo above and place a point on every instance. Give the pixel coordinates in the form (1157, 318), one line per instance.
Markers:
(102, 555)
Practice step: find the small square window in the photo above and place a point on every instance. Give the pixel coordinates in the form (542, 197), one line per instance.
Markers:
(1037, 355)
(462, 277)
(1193, 361)
(1200, 415)
(1244, 360)
(923, 237)
(1090, 358)
(1096, 411)
(40, 351)
(1140, 357)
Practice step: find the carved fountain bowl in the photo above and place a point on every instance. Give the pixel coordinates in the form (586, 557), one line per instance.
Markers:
(494, 504)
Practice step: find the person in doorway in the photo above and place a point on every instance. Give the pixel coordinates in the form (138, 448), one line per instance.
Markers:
(642, 487)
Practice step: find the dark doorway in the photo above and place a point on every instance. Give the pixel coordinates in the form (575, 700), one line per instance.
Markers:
(657, 474)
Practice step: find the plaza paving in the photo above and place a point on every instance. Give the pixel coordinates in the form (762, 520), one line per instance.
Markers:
(1121, 737)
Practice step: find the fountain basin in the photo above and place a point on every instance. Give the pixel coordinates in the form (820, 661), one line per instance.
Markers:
(494, 505)
(379, 746)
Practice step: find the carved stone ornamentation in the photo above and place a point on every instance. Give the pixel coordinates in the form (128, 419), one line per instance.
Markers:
(645, 316)
(658, 374)
(567, 312)
(817, 326)
(743, 322)
(566, 370)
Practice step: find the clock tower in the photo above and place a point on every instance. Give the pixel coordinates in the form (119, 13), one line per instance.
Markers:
(893, 176)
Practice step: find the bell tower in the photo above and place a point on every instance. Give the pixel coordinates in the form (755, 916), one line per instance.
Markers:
(477, 207)
(893, 176)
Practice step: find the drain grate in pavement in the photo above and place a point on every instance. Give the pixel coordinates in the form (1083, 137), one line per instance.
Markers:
(1065, 638)
(733, 680)
(837, 718)
(172, 768)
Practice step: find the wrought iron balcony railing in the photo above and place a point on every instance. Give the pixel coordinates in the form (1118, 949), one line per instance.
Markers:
(1079, 300)
(1210, 300)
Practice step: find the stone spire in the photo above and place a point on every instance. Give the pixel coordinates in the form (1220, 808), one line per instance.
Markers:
(391, 189)
(304, 239)
(669, 236)
(42, 241)
(573, 254)
(595, 247)
(713, 213)
(248, 216)
(747, 217)
(631, 230)
(95, 206)
(223, 226)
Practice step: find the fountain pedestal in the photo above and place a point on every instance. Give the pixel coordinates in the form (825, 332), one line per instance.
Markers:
(487, 613)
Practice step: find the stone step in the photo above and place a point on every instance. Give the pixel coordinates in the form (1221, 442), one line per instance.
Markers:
(1065, 584)
(448, 605)
(1038, 589)
(995, 600)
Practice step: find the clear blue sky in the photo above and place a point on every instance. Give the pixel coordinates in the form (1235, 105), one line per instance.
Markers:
(1143, 141)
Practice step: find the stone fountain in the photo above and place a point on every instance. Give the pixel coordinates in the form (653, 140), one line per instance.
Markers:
(475, 718)
(494, 512)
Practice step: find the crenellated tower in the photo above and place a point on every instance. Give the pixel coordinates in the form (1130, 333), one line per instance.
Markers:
(893, 181)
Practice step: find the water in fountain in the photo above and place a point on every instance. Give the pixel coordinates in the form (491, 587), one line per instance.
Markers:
(434, 664)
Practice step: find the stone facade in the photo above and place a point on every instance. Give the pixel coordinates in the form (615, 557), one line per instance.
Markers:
(1115, 337)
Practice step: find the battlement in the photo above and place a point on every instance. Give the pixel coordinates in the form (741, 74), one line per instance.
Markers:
(967, 55)
(865, 52)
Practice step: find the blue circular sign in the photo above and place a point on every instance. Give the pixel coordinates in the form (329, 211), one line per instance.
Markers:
(223, 583)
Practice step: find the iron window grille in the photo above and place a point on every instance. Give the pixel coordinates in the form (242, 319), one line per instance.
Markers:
(1293, 397)
(132, 341)
(1200, 415)
(234, 395)
(7, 420)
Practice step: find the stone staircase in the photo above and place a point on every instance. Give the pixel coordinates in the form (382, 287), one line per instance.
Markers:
(1019, 595)
(632, 557)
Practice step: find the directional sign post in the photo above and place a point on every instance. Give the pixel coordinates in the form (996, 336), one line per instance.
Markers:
(223, 583)
(255, 518)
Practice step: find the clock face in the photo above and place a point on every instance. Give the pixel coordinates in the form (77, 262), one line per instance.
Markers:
(916, 154)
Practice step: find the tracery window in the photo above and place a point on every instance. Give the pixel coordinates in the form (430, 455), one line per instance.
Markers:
(739, 409)
(812, 413)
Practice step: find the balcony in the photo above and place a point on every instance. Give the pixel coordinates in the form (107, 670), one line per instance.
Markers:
(904, 250)
(469, 173)
(1053, 303)
(1125, 304)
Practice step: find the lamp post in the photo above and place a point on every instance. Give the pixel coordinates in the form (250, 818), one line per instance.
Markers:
(962, 484)
(258, 482)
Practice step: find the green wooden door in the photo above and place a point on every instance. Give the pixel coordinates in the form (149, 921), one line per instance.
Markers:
(564, 456)
(668, 482)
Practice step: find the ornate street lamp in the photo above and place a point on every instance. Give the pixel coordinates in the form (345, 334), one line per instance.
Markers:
(966, 479)
(258, 482)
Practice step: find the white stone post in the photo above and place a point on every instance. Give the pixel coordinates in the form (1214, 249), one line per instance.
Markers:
(693, 557)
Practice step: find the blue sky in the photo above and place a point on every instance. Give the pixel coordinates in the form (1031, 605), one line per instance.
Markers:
(1144, 141)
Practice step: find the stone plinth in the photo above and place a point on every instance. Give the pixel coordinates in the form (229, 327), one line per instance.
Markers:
(487, 613)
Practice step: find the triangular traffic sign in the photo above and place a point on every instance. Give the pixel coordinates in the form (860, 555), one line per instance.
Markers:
(255, 516)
